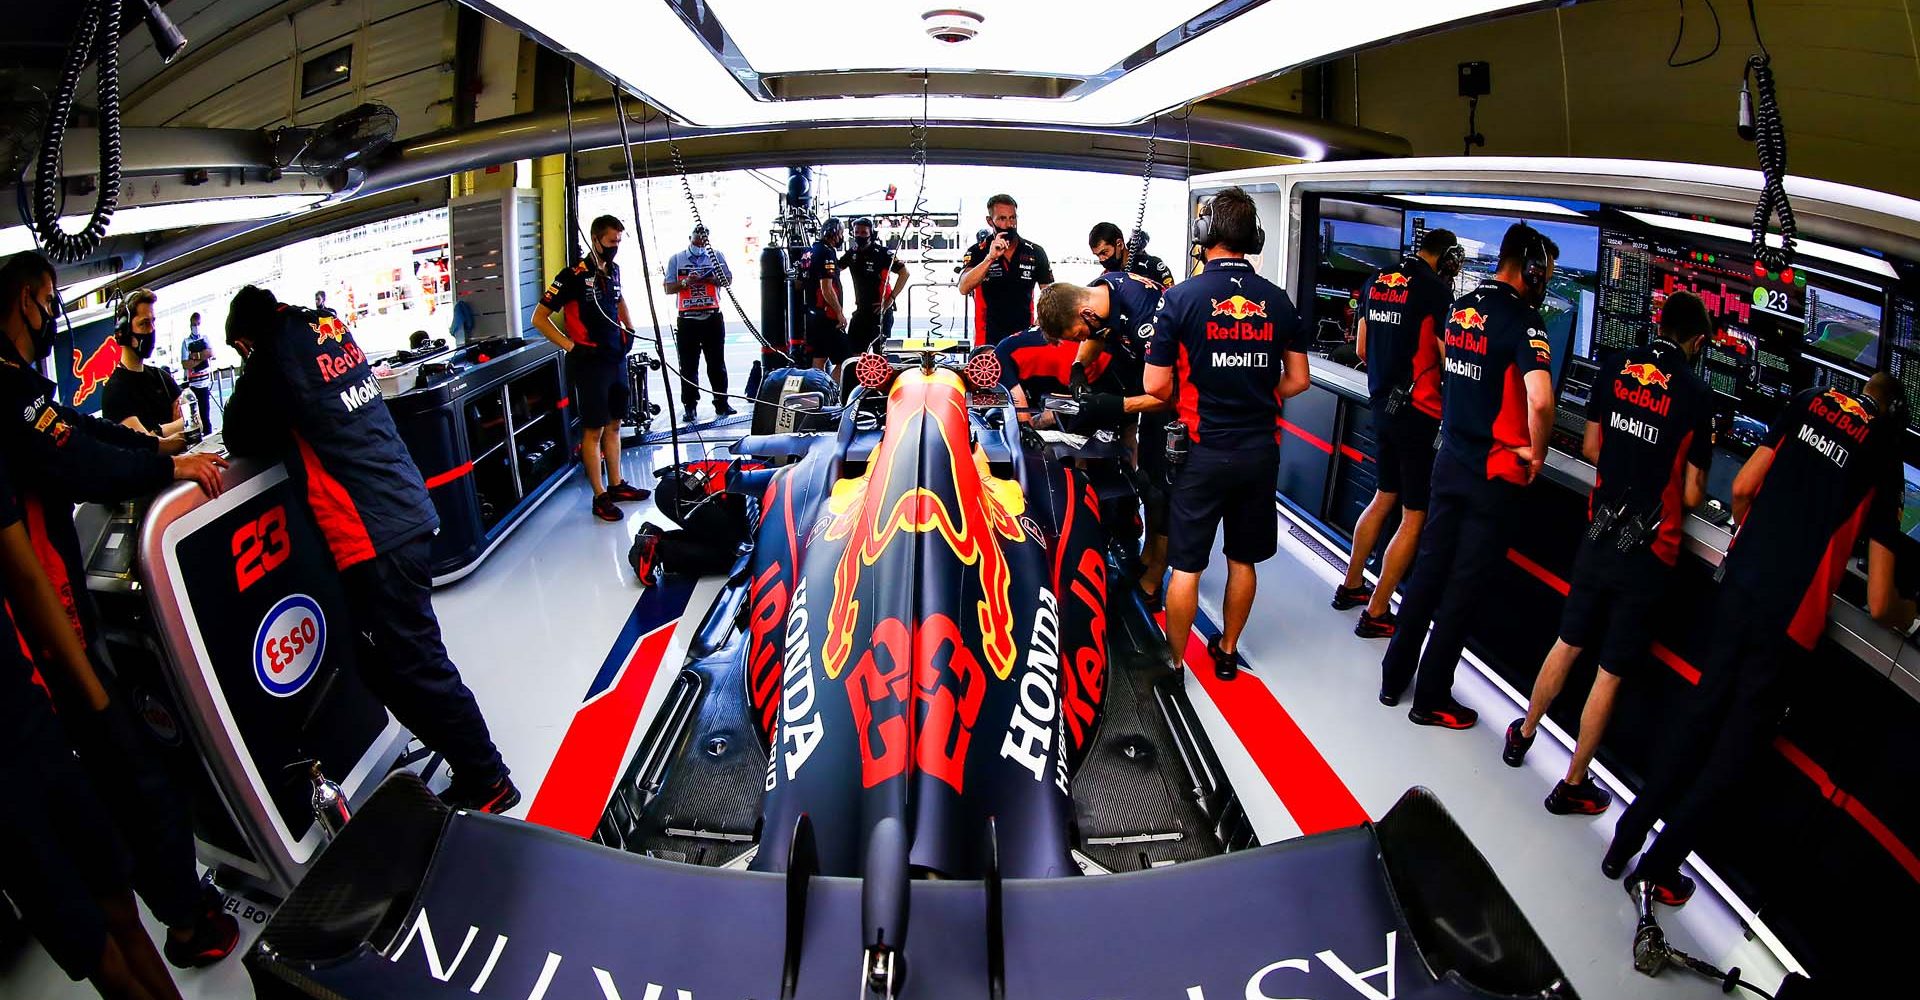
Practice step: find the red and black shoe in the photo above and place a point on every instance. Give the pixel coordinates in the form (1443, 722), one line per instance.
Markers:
(1583, 799)
(1451, 715)
(495, 798)
(1155, 602)
(1668, 890)
(215, 935)
(1345, 597)
(624, 492)
(1226, 666)
(604, 509)
(1382, 627)
(1515, 752)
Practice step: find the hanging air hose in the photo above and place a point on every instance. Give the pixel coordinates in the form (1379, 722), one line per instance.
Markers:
(98, 38)
(646, 269)
(1137, 239)
(1770, 144)
(921, 222)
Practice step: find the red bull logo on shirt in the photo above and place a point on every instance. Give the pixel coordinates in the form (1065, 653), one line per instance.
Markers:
(328, 328)
(1468, 319)
(1239, 307)
(1847, 414)
(1646, 374)
(95, 369)
(1393, 279)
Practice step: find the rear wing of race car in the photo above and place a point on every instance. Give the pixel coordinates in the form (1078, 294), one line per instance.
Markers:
(414, 901)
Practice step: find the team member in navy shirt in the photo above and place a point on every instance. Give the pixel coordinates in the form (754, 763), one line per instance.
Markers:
(1400, 339)
(825, 326)
(1115, 255)
(1496, 415)
(1827, 476)
(308, 396)
(583, 313)
(879, 276)
(1650, 438)
(1000, 271)
(1227, 349)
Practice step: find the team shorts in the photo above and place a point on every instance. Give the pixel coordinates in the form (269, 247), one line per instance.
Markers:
(1230, 489)
(59, 854)
(1610, 605)
(599, 387)
(1406, 454)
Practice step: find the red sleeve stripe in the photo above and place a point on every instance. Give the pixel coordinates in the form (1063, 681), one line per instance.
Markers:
(339, 518)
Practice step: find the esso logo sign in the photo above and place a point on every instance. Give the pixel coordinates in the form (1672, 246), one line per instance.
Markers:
(288, 647)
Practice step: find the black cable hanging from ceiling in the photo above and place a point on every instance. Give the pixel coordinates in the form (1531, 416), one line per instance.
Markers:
(96, 37)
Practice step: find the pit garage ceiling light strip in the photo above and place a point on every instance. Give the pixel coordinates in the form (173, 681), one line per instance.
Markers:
(648, 47)
(1490, 204)
(1850, 258)
(176, 215)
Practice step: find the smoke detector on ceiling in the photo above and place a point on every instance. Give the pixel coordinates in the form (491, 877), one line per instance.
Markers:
(952, 25)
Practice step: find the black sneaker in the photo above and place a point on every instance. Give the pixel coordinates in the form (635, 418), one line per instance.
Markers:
(1370, 627)
(495, 798)
(723, 410)
(1389, 698)
(1155, 602)
(1619, 852)
(691, 416)
(1669, 890)
(604, 509)
(1226, 666)
(1515, 753)
(215, 935)
(1451, 715)
(1345, 597)
(1583, 799)
(627, 493)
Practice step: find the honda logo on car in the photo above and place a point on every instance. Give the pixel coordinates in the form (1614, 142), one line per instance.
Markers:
(289, 645)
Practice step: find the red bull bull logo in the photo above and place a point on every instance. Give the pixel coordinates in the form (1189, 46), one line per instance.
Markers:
(1468, 319)
(1239, 307)
(95, 369)
(1847, 415)
(1393, 279)
(328, 328)
(1646, 374)
(1849, 405)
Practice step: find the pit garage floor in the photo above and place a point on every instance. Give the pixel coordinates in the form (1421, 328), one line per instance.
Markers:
(532, 629)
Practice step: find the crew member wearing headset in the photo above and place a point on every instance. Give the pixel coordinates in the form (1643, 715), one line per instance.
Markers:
(1001, 272)
(1650, 438)
(1228, 349)
(824, 329)
(58, 457)
(1400, 336)
(1115, 253)
(308, 396)
(695, 276)
(583, 313)
(1497, 412)
(879, 276)
(1832, 470)
(143, 397)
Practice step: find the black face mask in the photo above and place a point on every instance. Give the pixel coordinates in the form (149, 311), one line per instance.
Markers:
(862, 241)
(1010, 233)
(607, 254)
(42, 337)
(143, 345)
(1114, 263)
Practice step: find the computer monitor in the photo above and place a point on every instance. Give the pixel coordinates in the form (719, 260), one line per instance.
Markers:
(1843, 328)
(1355, 241)
(1570, 304)
(1902, 349)
(1910, 504)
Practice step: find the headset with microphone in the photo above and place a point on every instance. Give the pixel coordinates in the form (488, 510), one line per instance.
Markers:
(1203, 231)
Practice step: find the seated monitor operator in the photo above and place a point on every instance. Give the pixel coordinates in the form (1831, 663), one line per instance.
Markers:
(140, 396)
(1001, 271)
(1105, 319)
(824, 328)
(1401, 337)
(58, 457)
(879, 276)
(1115, 254)
(307, 396)
(1240, 351)
(1650, 438)
(1497, 403)
(1832, 469)
(584, 314)
(61, 863)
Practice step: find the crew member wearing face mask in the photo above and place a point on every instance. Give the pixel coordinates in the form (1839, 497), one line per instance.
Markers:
(879, 276)
(1001, 274)
(140, 396)
(58, 457)
(1114, 253)
(694, 277)
(1496, 415)
(584, 314)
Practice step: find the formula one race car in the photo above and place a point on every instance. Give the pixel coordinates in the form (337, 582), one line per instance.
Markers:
(919, 699)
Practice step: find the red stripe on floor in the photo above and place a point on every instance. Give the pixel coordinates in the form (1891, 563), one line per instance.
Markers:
(1314, 795)
(1854, 808)
(581, 778)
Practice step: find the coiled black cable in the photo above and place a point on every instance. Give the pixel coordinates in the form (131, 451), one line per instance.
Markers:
(1770, 145)
(98, 38)
(1136, 239)
(922, 222)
